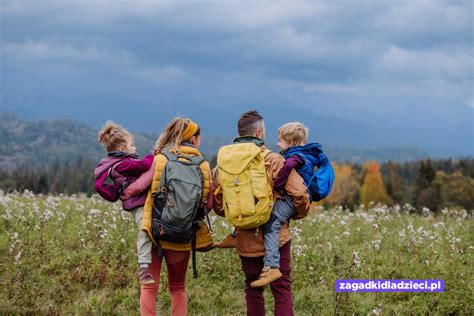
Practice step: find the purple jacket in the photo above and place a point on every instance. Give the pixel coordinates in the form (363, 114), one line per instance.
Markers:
(123, 169)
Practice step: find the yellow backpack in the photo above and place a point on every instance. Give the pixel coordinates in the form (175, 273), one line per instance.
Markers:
(246, 189)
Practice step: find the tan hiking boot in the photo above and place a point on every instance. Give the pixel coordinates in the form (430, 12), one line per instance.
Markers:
(207, 248)
(268, 275)
(229, 242)
(146, 277)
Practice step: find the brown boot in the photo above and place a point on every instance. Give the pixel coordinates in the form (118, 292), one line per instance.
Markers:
(229, 242)
(146, 277)
(268, 275)
(207, 248)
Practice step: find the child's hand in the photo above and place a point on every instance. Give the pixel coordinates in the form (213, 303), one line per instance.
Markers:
(278, 195)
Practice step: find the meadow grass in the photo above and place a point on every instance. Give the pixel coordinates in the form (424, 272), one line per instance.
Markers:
(76, 255)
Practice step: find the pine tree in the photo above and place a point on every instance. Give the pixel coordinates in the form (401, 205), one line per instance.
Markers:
(393, 181)
(425, 194)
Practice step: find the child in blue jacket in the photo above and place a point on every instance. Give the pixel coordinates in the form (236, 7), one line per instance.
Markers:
(318, 175)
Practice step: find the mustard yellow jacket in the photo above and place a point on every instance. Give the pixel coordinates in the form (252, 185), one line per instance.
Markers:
(203, 237)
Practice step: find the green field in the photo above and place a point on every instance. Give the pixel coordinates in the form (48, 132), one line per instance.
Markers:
(75, 254)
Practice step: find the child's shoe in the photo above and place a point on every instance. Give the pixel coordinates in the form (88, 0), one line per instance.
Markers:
(145, 276)
(229, 242)
(268, 275)
(207, 248)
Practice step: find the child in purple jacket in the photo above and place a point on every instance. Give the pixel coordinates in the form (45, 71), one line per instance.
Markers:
(123, 167)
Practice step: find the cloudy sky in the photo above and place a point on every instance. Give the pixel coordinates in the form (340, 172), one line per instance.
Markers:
(395, 71)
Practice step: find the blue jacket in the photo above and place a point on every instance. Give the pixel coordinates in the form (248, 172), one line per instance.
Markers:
(319, 182)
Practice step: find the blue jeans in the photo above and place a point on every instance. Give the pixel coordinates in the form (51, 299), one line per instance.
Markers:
(281, 212)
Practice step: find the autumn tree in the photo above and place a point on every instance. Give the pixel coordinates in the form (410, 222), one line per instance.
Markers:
(345, 188)
(456, 190)
(372, 189)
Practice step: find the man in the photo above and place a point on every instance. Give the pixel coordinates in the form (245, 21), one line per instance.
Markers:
(249, 242)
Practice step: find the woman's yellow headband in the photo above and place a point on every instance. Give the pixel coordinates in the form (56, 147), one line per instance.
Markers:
(190, 130)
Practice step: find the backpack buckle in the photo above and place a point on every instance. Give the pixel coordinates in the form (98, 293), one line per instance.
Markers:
(161, 229)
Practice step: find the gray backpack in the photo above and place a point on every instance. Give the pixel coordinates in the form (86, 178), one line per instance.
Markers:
(178, 204)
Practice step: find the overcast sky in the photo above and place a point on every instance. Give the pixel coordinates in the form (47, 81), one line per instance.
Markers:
(367, 57)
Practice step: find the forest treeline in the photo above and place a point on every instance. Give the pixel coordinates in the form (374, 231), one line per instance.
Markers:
(434, 184)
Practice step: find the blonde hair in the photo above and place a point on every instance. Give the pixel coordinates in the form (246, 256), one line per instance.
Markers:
(172, 136)
(112, 136)
(294, 133)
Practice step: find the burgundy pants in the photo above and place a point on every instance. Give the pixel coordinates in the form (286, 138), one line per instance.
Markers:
(281, 288)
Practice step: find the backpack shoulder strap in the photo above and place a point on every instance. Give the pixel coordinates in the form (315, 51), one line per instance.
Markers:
(168, 155)
(197, 160)
(266, 152)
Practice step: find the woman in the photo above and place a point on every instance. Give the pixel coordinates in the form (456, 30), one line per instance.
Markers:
(181, 136)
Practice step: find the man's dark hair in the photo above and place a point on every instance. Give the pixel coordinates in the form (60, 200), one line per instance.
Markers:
(249, 122)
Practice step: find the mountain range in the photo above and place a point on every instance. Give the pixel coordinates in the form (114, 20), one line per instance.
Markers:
(47, 141)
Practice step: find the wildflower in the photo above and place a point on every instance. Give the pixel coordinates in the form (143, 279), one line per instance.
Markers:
(377, 310)
(17, 257)
(103, 233)
(438, 224)
(47, 215)
(376, 243)
(425, 211)
(300, 250)
(355, 259)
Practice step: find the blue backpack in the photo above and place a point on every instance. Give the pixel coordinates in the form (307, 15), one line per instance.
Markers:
(319, 182)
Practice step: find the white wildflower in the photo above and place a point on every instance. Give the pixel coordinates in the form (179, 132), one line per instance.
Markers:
(425, 211)
(376, 243)
(355, 259)
(330, 246)
(438, 224)
(17, 257)
(377, 310)
(103, 233)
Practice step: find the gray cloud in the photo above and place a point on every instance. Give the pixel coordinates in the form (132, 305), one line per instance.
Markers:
(348, 59)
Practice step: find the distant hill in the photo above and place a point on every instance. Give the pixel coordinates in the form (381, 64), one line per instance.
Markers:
(45, 142)
(49, 141)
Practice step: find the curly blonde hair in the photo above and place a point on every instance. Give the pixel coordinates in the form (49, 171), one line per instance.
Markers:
(112, 136)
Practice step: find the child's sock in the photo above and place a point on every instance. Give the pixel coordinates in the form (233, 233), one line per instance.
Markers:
(144, 265)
